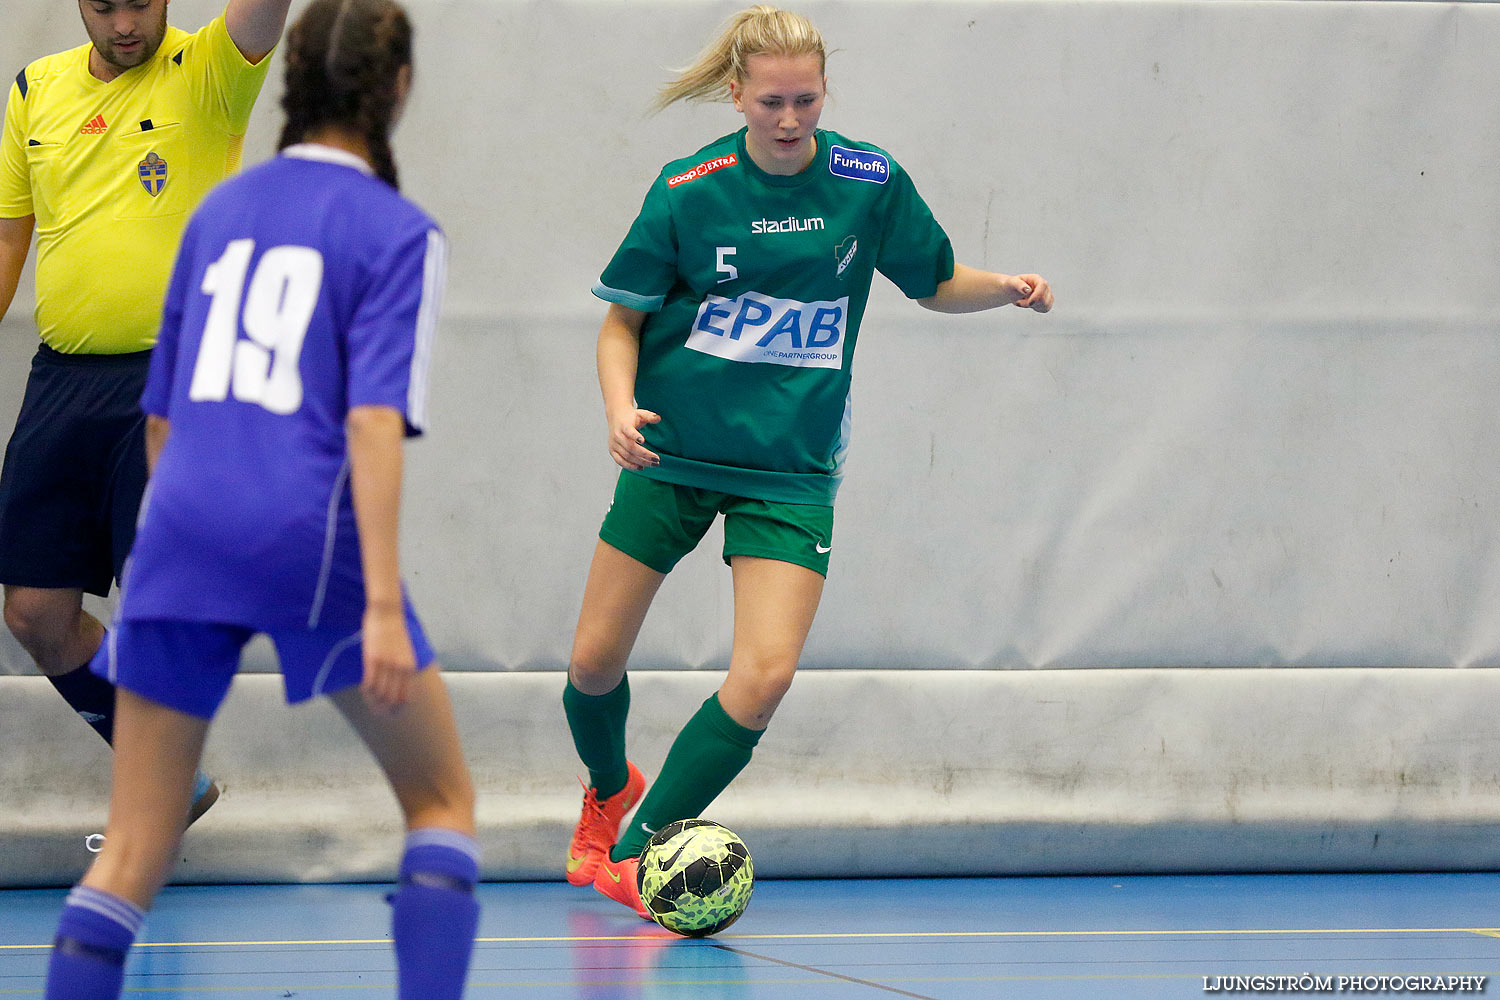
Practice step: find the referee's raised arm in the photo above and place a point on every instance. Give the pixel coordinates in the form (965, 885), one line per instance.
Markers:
(255, 26)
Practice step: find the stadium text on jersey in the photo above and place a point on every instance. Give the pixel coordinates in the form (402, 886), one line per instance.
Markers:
(786, 225)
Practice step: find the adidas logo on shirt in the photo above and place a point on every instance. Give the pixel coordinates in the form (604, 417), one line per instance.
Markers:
(95, 126)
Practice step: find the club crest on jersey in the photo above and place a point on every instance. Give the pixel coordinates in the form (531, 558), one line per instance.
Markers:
(760, 329)
(844, 254)
(703, 169)
(153, 173)
(858, 164)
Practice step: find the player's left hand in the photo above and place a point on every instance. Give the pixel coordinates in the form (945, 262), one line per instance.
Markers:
(1033, 292)
(390, 662)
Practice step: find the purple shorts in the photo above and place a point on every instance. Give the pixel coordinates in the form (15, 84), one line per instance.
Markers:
(188, 666)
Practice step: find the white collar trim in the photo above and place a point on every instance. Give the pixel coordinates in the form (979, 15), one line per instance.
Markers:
(328, 154)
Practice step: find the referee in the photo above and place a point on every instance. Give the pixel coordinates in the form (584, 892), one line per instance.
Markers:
(106, 149)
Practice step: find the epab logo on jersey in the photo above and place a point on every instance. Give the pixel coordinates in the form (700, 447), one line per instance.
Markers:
(761, 329)
(153, 173)
(859, 164)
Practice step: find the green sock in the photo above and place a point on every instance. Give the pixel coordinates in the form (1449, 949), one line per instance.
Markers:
(711, 749)
(598, 726)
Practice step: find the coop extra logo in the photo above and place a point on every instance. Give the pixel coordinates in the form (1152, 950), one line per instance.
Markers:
(703, 169)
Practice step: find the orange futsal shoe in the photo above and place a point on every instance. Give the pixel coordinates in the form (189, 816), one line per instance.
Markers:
(617, 880)
(599, 826)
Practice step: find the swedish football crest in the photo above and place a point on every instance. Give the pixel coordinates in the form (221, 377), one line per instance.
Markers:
(153, 173)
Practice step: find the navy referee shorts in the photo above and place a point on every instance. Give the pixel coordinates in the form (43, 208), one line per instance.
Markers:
(74, 471)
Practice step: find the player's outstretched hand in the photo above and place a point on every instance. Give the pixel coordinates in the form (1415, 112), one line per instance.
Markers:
(1032, 292)
(390, 663)
(626, 445)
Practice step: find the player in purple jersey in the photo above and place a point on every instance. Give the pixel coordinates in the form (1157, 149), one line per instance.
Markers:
(292, 362)
(663, 321)
(80, 128)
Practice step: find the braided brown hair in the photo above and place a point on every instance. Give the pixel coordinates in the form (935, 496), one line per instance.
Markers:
(342, 62)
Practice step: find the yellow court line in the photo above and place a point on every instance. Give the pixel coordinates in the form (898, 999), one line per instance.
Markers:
(834, 935)
(1491, 931)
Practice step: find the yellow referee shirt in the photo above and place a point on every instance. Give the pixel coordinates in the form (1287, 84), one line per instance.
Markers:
(112, 170)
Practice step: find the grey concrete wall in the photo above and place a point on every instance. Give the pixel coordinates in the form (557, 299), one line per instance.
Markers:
(868, 773)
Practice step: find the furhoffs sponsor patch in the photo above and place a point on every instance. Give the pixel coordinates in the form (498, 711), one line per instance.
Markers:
(858, 164)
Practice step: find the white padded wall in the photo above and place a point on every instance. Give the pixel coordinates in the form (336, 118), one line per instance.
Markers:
(1257, 430)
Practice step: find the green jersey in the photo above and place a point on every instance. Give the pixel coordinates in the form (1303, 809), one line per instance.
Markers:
(755, 285)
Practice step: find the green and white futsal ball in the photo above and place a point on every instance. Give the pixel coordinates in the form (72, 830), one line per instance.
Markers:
(695, 877)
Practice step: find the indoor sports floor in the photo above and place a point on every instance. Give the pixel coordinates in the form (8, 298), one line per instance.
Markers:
(1153, 937)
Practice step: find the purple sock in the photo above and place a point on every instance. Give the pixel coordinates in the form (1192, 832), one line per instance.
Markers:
(434, 914)
(88, 954)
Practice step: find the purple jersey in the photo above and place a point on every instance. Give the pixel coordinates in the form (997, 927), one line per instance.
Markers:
(302, 288)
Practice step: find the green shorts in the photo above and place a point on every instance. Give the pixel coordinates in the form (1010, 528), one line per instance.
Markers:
(658, 523)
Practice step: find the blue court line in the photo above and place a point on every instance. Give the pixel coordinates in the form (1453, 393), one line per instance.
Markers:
(1147, 939)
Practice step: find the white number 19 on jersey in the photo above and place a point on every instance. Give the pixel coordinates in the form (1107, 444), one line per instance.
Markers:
(278, 307)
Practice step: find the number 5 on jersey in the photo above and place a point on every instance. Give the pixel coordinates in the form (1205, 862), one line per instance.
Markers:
(278, 308)
(725, 268)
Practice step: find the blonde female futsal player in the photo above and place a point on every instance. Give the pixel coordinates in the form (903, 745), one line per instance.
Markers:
(724, 359)
(292, 362)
